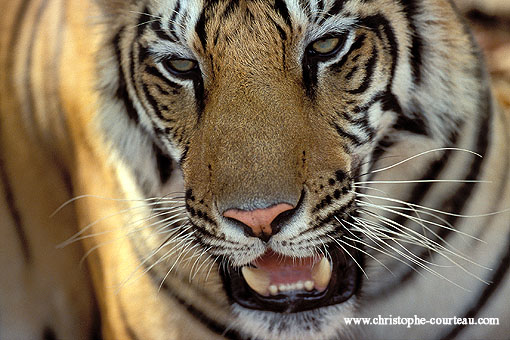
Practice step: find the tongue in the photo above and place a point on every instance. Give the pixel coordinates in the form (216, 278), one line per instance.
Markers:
(275, 273)
(284, 269)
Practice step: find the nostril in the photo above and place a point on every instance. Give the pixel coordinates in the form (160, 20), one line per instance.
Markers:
(262, 223)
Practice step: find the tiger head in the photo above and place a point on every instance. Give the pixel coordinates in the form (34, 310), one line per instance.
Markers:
(270, 111)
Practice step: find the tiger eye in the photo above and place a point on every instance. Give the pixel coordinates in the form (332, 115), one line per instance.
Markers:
(325, 46)
(181, 65)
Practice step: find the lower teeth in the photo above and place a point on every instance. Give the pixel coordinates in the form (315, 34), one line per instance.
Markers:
(307, 285)
(259, 280)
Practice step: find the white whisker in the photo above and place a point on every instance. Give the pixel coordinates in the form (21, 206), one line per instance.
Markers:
(423, 181)
(422, 154)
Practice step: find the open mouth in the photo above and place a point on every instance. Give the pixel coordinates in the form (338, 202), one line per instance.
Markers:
(284, 284)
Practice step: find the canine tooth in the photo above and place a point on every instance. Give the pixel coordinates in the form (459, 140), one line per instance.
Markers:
(308, 285)
(321, 273)
(257, 279)
(273, 290)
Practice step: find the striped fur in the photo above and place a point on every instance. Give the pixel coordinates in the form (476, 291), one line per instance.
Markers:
(392, 148)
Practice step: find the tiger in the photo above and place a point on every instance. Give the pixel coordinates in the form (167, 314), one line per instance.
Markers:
(250, 169)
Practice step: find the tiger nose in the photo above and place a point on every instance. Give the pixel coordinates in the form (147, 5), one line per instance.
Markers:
(261, 222)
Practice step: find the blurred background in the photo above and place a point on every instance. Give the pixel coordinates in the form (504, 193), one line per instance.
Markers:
(490, 20)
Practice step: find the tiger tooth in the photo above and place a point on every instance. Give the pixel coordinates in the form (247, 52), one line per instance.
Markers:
(308, 285)
(273, 290)
(257, 279)
(321, 274)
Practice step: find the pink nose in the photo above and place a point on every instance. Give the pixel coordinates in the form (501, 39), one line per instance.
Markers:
(259, 221)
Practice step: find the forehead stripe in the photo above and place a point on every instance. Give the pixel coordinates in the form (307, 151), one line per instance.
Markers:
(160, 32)
(281, 8)
(200, 29)
(144, 19)
(336, 8)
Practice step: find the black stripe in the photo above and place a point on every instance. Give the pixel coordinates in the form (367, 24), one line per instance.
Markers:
(171, 23)
(415, 124)
(122, 93)
(198, 87)
(133, 63)
(164, 164)
(154, 103)
(389, 103)
(381, 26)
(279, 28)
(183, 19)
(143, 21)
(354, 139)
(143, 54)
(369, 72)
(309, 70)
(364, 124)
(184, 154)
(382, 147)
(200, 29)
(332, 217)
(410, 10)
(361, 121)
(230, 8)
(320, 5)
(355, 46)
(161, 33)
(281, 8)
(156, 73)
(349, 75)
(212, 325)
(13, 210)
(336, 8)
(484, 296)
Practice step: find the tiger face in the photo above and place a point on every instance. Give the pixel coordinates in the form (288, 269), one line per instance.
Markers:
(272, 110)
(262, 187)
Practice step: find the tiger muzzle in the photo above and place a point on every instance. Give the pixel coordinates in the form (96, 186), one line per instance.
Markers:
(285, 284)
